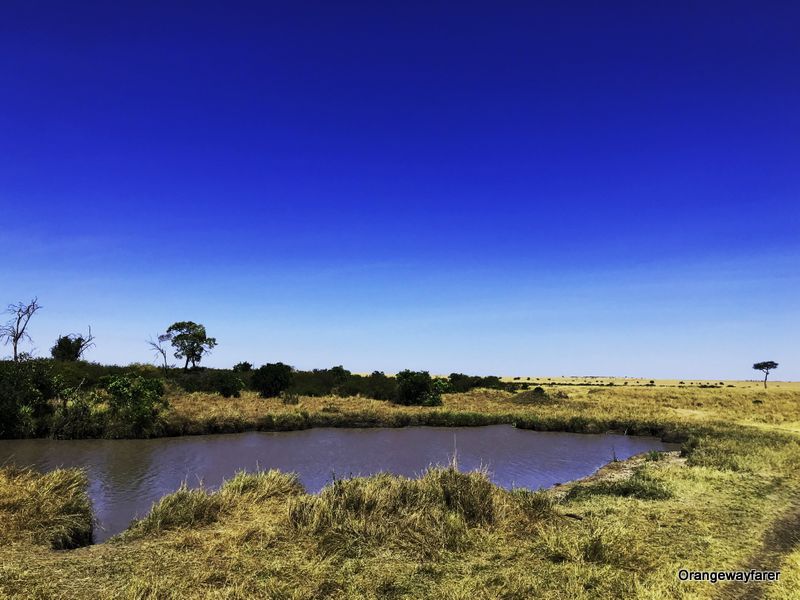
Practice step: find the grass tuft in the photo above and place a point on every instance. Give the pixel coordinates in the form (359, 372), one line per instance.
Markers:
(49, 509)
(191, 508)
(184, 508)
(424, 515)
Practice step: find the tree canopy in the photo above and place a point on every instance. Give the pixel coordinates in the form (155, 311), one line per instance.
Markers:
(765, 366)
(272, 379)
(190, 341)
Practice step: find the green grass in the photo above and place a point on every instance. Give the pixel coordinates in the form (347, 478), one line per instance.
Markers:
(731, 502)
(642, 484)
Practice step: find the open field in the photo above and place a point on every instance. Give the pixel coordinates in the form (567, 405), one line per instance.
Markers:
(730, 502)
(645, 381)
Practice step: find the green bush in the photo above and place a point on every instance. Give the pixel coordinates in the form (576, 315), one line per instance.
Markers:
(90, 375)
(67, 348)
(272, 379)
(418, 388)
(459, 382)
(77, 416)
(134, 404)
(380, 387)
(226, 384)
(26, 387)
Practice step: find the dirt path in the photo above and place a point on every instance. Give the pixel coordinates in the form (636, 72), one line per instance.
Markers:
(781, 539)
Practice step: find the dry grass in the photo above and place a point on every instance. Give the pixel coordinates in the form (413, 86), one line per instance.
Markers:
(51, 509)
(453, 535)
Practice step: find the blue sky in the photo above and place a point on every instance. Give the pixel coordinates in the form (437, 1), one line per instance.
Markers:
(513, 188)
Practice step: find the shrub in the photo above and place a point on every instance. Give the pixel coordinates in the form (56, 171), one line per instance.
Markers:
(77, 416)
(220, 381)
(134, 404)
(319, 382)
(242, 367)
(377, 386)
(535, 396)
(339, 374)
(26, 387)
(381, 387)
(90, 375)
(459, 382)
(418, 388)
(68, 348)
(272, 379)
(226, 384)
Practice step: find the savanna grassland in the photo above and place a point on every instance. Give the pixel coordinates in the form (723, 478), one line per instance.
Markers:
(731, 501)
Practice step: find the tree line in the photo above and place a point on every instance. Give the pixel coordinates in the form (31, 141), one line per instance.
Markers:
(65, 396)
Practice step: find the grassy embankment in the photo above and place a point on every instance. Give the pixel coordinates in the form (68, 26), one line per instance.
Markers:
(733, 503)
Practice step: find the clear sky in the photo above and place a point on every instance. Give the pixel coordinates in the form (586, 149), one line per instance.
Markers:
(527, 188)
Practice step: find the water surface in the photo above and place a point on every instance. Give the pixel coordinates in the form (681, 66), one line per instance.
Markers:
(127, 476)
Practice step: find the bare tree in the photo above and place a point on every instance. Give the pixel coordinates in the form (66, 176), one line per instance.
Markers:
(14, 331)
(86, 342)
(159, 349)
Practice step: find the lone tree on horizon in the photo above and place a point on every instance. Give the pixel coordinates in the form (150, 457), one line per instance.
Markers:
(14, 332)
(766, 366)
(190, 341)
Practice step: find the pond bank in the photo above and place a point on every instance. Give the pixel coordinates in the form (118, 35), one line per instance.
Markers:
(454, 535)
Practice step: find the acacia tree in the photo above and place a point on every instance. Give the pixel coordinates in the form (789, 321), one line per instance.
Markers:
(71, 347)
(14, 331)
(190, 341)
(766, 366)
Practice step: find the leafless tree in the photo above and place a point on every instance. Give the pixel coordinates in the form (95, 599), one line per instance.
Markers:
(14, 331)
(86, 342)
(159, 349)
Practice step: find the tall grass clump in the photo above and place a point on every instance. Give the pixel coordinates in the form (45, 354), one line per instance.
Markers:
(184, 508)
(51, 509)
(261, 485)
(536, 505)
(188, 508)
(420, 516)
